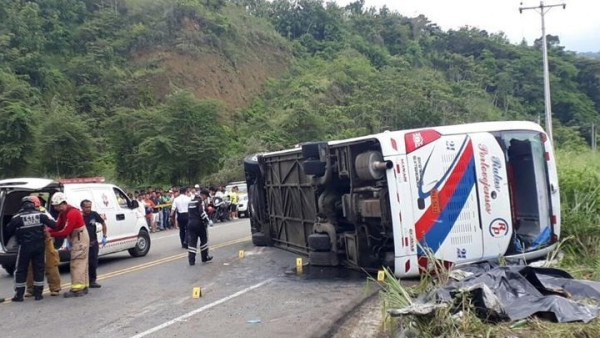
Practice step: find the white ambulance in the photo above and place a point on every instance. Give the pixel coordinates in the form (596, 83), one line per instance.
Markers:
(465, 193)
(126, 227)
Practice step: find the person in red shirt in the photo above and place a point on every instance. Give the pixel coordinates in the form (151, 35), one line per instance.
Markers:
(71, 225)
(150, 213)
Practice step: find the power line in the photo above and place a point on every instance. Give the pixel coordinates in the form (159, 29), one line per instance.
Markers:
(543, 9)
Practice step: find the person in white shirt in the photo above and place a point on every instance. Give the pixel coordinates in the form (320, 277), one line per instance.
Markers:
(141, 209)
(180, 208)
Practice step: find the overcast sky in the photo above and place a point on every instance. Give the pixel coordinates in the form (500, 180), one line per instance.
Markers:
(578, 26)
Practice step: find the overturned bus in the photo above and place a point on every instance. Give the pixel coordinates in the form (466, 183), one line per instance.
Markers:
(463, 193)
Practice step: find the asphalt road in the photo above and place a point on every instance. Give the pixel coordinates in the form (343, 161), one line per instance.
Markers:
(259, 295)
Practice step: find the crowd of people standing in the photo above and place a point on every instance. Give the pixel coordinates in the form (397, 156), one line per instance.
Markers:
(184, 209)
(156, 204)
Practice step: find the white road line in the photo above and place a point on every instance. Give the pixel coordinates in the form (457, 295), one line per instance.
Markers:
(157, 238)
(205, 307)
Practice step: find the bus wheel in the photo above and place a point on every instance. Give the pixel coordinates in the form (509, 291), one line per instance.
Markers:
(319, 242)
(259, 239)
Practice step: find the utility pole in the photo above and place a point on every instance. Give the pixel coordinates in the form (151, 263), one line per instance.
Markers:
(594, 137)
(543, 9)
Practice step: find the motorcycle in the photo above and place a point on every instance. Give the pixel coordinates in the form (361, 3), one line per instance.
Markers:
(220, 210)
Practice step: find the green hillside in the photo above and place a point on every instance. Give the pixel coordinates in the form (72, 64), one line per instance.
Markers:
(177, 91)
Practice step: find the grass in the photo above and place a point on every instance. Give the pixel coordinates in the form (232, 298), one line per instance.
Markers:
(579, 176)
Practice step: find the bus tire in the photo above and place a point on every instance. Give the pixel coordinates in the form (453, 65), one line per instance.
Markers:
(311, 150)
(259, 239)
(251, 164)
(314, 167)
(319, 242)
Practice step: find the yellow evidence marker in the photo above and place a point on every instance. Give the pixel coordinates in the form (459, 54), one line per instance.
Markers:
(241, 254)
(299, 265)
(196, 292)
(380, 276)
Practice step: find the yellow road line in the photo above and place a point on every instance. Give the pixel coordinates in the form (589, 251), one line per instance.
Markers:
(165, 260)
(150, 264)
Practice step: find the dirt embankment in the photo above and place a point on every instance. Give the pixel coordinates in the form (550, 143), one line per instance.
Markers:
(211, 75)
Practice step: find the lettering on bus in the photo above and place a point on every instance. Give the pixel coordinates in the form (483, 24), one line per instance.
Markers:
(417, 139)
(411, 236)
(498, 228)
(403, 167)
(496, 166)
(483, 180)
(486, 170)
(417, 166)
(435, 201)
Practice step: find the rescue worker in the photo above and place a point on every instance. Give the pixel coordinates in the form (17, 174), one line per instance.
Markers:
(198, 221)
(28, 225)
(70, 221)
(52, 259)
(91, 218)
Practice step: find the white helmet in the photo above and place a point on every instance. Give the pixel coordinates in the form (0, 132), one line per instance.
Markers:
(197, 186)
(58, 198)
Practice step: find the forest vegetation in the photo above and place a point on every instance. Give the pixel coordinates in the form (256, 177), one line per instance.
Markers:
(178, 91)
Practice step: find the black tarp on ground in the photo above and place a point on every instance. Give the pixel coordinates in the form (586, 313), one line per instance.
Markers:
(515, 292)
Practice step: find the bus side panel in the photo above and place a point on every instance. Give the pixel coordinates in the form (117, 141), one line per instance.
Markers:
(494, 195)
(444, 199)
(405, 240)
(554, 189)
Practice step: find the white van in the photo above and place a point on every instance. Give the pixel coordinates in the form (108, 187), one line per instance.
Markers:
(466, 193)
(127, 228)
(242, 206)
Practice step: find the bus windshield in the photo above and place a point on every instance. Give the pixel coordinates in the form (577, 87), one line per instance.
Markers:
(529, 188)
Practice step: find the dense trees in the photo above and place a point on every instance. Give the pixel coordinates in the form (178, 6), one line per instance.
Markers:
(74, 101)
